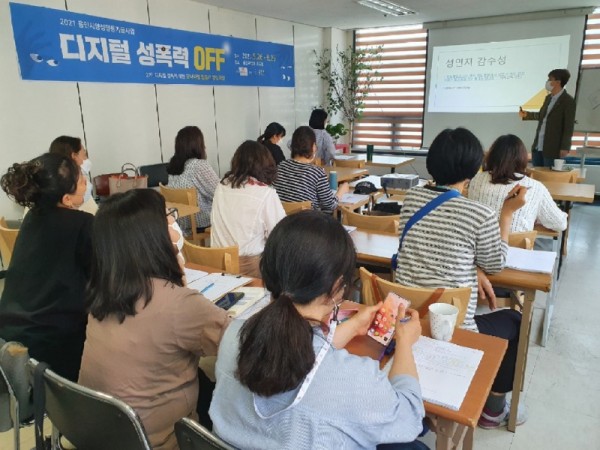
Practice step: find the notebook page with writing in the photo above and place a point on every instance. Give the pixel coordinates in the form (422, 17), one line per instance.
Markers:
(216, 285)
(530, 260)
(192, 275)
(445, 371)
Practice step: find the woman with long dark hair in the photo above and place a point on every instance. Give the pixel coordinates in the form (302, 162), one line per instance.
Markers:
(272, 136)
(246, 207)
(505, 166)
(283, 380)
(42, 303)
(188, 168)
(146, 331)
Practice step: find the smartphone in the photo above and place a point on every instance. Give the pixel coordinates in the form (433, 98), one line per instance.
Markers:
(229, 299)
(383, 327)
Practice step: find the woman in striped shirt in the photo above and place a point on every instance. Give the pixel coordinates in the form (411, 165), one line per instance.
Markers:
(299, 180)
(448, 246)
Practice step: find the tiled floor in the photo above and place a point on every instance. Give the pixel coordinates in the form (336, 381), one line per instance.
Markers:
(562, 391)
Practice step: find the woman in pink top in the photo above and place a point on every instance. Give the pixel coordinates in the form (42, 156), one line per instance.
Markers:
(145, 331)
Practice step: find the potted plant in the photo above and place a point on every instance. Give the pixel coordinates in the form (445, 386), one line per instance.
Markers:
(348, 75)
(336, 131)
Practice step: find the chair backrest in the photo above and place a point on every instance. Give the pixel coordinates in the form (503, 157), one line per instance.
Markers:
(524, 239)
(386, 224)
(226, 259)
(8, 237)
(193, 436)
(294, 207)
(354, 163)
(550, 175)
(188, 196)
(459, 297)
(157, 174)
(90, 419)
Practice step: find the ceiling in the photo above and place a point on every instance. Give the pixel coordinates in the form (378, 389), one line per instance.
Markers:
(347, 14)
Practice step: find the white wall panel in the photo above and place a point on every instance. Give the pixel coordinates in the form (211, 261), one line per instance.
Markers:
(308, 86)
(276, 104)
(182, 105)
(236, 107)
(33, 112)
(120, 119)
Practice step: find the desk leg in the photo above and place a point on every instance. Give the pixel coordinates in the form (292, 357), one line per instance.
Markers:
(549, 307)
(449, 434)
(523, 347)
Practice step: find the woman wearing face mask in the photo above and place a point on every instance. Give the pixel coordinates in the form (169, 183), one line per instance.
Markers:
(42, 304)
(298, 179)
(273, 134)
(283, 378)
(71, 147)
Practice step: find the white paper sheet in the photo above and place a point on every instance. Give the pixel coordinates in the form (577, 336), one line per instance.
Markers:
(530, 260)
(215, 285)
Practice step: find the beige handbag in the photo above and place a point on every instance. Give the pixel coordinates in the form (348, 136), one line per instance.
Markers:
(123, 182)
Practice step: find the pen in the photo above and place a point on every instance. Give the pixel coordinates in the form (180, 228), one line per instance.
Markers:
(207, 288)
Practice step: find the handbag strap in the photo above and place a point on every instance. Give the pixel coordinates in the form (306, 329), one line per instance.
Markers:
(426, 209)
(433, 298)
(39, 404)
(130, 166)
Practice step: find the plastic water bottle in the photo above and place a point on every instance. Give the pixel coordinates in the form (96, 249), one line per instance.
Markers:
(333, 184)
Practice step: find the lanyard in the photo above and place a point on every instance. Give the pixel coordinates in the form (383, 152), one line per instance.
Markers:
(309, 377)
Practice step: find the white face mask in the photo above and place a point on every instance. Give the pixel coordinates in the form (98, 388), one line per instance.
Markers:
(86, 165)
(549, 86)
(179, 243)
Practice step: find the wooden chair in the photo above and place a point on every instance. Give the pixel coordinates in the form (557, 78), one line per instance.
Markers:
(188, 196)
(8, 237)
(294, 207)
(524, 239)
(226, 259)
(353, 163)
(556, 176)
(386, 224)
(418, 296)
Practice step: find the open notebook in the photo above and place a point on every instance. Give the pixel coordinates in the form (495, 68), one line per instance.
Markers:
(530, 260)
(445, 371)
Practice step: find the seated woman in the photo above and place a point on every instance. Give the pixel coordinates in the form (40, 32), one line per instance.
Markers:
(246, 208)
(318, 395)
(188, 168)
(42, 303)
(273, 134)
(506, 166)
(299, 180)
(145, 331)
(449, 243)
(71, 147)
(325, 145)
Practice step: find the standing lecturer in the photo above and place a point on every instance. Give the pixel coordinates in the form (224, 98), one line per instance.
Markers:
(555, 119)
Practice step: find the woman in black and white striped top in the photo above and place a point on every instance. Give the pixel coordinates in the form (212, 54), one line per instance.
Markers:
(448, 246)
(299, 180)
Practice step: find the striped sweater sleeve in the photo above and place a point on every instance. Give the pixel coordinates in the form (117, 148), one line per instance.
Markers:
(326, 198)
(488, 242)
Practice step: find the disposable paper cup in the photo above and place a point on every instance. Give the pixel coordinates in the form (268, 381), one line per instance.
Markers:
(559, 163)
(442, 318)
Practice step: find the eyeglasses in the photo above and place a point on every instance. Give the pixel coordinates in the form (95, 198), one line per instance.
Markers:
(174, 212)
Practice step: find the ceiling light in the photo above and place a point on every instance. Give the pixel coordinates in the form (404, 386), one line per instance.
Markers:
(386, 7)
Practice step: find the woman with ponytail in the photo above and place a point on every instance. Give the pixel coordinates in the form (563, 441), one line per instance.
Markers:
(42, 303)
(283, 378)
(273, 134)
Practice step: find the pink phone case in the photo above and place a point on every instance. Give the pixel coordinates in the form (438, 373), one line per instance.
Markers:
(384, 324)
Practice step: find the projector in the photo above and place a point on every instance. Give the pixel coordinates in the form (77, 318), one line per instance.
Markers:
(402, 181)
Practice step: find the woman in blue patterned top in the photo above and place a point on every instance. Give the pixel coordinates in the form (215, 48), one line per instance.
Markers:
(284, 380)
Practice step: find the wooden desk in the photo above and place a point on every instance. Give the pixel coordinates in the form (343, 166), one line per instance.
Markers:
(256, 282)
(346, 173)
(452, 426)
(580, 177)
(529, 283)
(377, 249)
(393, 162)
(571, 192)
(183, 210)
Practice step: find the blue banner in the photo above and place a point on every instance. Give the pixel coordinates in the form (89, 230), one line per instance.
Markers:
(58, 45)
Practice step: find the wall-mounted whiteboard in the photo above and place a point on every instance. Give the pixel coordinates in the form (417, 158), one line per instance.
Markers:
(587, 117)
